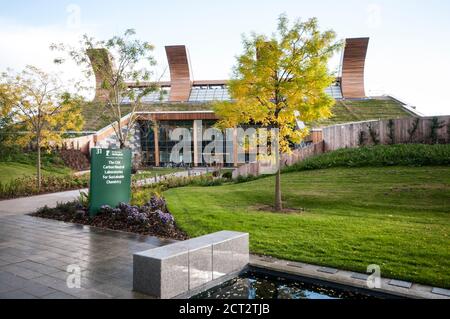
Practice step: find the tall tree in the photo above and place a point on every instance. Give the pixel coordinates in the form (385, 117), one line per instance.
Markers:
(278, 77)
(122, 59)
(39, 108)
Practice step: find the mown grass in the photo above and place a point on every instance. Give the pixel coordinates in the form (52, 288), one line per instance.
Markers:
(12, 171)
(15, 164)
(349, 218)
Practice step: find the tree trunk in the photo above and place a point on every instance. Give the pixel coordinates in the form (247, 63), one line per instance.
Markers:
(38, 164)
(278, 202)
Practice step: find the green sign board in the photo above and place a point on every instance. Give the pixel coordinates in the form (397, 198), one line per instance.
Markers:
(110, 178)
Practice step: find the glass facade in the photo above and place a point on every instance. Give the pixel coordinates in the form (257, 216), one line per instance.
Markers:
(154, 97)
(166, 145)
(209, 93)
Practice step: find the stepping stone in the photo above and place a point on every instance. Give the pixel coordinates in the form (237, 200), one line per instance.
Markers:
(359, 276)
(401, 284)
(440, 291)
(327, 270)
(295, 265)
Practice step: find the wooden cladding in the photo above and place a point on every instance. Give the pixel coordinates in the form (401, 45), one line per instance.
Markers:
(353, 68)
(180, 73)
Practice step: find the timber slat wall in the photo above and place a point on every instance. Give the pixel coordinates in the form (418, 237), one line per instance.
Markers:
(254, 169)
(348, 135)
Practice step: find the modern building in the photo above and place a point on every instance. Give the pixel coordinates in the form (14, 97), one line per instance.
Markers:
(184, 101)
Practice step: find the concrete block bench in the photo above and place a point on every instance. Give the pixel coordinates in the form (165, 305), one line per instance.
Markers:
(176, 269)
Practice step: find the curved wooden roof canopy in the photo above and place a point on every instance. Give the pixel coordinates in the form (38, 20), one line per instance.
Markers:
(353, 65)
(180, 73)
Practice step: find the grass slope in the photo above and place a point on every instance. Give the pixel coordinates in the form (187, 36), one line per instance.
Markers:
(396, 217)
(11, 171)
(362, 110)
(343, 111)
(15, 164)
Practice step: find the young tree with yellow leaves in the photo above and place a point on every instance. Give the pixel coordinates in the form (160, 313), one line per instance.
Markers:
(279, 77)
(41, 111)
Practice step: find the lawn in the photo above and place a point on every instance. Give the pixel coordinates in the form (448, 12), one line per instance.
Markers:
(349, 218)
(10, 171)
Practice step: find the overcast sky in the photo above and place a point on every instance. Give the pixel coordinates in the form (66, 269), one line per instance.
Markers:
(409, 52)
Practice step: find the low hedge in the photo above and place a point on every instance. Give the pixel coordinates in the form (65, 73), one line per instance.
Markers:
(378, 156)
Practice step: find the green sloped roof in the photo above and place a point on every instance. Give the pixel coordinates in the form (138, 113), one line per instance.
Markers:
(96, 118)
(343, 112)
(364, 110)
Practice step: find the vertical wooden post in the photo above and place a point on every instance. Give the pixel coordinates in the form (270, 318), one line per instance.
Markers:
(197, 140)
(156, 139)
(235, 147)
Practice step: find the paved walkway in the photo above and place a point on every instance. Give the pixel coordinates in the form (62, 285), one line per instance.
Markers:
(35, 254)
(26, 205)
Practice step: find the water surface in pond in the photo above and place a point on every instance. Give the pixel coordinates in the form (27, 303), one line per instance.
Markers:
(252, 285)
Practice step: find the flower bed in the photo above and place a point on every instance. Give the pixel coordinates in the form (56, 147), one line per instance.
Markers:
(153, 218)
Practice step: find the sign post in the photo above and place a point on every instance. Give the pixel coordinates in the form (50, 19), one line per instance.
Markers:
(110, 178)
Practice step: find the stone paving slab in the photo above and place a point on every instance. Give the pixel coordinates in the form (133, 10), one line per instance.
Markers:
(28, 205)
(327, 270)
(35, 254)
(442, 292)
(400, 283)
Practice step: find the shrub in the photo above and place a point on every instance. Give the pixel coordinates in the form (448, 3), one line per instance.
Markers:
(381, 155)
(153, 218)
(27, 186)
(227, 175)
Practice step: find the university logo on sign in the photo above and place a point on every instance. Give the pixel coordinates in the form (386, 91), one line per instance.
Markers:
(110, 178)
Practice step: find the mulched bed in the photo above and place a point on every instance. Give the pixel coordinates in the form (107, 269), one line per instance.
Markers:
(155, 224)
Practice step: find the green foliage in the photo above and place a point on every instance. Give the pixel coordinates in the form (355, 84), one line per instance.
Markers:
(84, 199)
(364, 110)
(14, 154)
(143, 194)
(373, 134)
(227, 175)
(412, 131)
(362, 138)
(27, 186)
(381, 155)
(391, 132)
(448, 132)
(435, 126)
